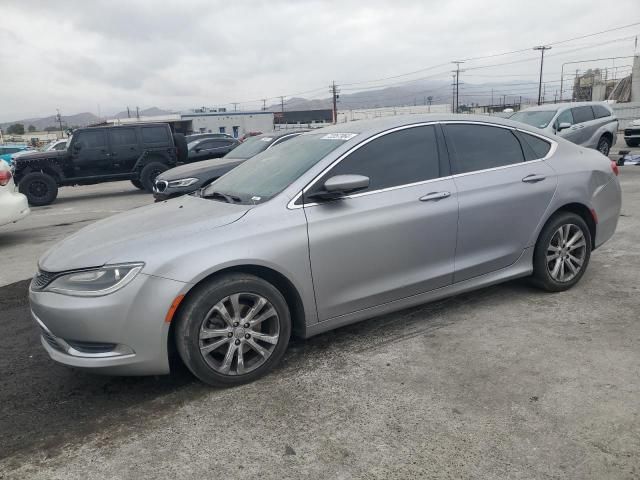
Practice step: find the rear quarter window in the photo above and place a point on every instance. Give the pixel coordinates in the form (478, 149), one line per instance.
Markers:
(155, 135)
(601, 111)
(533, 147)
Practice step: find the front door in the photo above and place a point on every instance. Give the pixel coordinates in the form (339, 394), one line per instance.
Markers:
(125, 148)
(502, 194)
(393, 240)
(90, 153)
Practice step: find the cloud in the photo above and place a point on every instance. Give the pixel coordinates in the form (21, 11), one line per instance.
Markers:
(74, 55)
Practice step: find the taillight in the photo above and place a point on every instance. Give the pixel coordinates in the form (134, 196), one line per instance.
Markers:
(4, 178)
(614, 167)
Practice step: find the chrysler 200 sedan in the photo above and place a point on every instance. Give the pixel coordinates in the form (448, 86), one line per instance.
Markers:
(334, 226)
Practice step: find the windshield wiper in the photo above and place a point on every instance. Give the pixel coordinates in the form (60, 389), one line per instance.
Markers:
(227, 198)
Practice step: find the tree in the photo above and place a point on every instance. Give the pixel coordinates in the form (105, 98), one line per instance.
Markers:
(16, 128)
(31, 128)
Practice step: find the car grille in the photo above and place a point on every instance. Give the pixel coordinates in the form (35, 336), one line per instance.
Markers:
(42, 279)
(632, 131)
(51, 340)
(161, 185)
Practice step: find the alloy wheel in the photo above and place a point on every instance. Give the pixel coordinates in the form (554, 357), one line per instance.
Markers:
(566, 253)
(38, 188)
(239, 333)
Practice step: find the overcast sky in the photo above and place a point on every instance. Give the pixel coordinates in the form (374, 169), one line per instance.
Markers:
(76, 55)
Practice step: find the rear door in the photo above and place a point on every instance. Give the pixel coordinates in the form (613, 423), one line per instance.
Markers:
(90, 153)
(125, 148)
(585, 123)
(503, 193)
(393, 240)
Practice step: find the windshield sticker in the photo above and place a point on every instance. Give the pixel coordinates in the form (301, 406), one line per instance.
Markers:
(266, 139)
(338, 136)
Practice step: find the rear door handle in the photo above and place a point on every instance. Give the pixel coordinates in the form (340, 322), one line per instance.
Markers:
(434, 196)
(533, 178)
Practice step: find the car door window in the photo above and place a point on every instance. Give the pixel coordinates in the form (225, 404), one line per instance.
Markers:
(564, 117)
(582, 114)
(123, 136)
(480, 147)
(397, 158)
(92, 139)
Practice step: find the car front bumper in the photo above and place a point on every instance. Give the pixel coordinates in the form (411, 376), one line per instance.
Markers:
(124, 333)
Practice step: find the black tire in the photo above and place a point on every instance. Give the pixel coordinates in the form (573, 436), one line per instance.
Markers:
(149, 173)
(137, 184)
(542, 270)
(631, 143)
(181, 147)
(39, 188)
(604, 145)
(192, 316)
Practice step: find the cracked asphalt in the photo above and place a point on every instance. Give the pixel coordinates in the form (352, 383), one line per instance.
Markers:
(504, 382)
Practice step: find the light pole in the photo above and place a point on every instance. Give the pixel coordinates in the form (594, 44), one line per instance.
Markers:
(542, 48)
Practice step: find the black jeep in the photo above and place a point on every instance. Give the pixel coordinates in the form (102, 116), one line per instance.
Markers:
(137, 152)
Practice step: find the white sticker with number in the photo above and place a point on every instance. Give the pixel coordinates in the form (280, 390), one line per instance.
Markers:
(266, 139)
(338, 136)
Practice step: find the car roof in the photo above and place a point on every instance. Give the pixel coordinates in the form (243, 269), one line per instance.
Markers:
(280, 133)
(385, 123)
(557, 106)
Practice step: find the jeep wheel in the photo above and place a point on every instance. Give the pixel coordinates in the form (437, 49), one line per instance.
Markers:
(149, 174)
(137, 184)
(39, 188)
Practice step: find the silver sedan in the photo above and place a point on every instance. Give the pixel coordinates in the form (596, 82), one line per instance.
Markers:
(335, 226)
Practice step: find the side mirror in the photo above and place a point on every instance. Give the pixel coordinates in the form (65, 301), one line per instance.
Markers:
(341, 185)
(563, 126)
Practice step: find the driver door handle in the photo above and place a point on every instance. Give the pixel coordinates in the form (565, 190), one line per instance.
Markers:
(434, 196)
(533, 178)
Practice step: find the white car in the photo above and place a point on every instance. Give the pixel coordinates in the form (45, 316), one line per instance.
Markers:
(13, 205)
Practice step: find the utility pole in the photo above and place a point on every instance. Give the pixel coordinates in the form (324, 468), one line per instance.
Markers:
(430, 100)
(59, 118)
(137, 113)
(453, 92)
(282, 106)
(334, 94)
(458, 62)
(235, 106)
(264, 104)
(128, 112)
(542, 49)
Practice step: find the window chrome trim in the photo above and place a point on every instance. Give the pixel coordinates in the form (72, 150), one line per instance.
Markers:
(554, 145)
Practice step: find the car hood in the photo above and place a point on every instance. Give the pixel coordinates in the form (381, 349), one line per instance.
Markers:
(198, 168)
(137, 234)
(39, 155)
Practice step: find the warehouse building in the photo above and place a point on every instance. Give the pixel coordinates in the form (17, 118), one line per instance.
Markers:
(233, 123)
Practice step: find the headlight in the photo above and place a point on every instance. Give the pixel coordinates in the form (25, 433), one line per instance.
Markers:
(183, 182)
(95, 283)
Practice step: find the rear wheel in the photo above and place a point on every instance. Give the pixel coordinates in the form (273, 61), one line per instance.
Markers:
(562, 252)
(604, 145)
(149, 173)
(233, 330)
(137, 184)
(39, 188)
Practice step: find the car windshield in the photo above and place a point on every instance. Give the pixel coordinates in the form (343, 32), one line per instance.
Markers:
(268, 173)
(535, 118)
(190, 145)
(250, 147)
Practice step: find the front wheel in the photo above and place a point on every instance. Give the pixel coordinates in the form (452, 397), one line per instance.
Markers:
(137, 184)
(562, 252)
(39, 188)
(233, 329)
